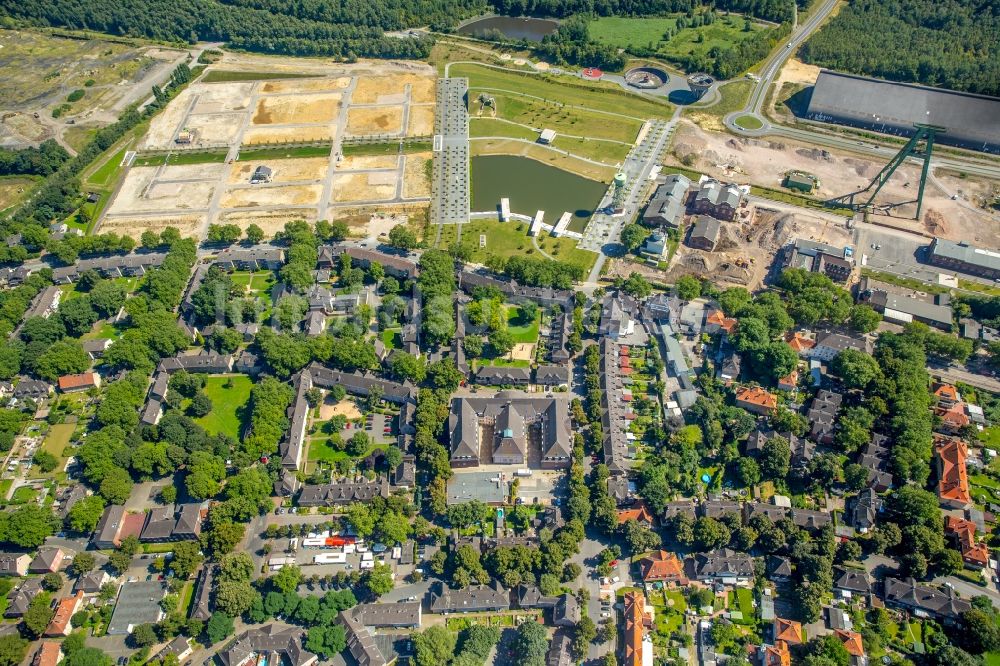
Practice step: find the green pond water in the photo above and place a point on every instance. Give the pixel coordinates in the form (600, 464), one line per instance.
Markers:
(532, 186)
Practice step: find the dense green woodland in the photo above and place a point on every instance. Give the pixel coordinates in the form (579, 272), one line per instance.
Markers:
(953, 44)
(280, 28)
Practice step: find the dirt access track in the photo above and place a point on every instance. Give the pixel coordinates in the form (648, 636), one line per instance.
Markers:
(316, 104)
(764, 162)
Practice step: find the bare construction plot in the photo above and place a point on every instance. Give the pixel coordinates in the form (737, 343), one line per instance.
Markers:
(143, 191)
(416, 175)
(272, 196)
(765, 161)
(389, 89)
(305, 85)
(234, 116)
(282, 171)
(187, 225)
(367, 120)
(358, 187)
(297, 109)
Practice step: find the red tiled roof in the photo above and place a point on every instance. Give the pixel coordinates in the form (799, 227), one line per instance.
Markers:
(59, 626)
(946, 392)
(953, 479)
(799, 342)
(635, 610)
(954, 416)
(662, 566)
(964, 531)
(756, 395)
(777, 654)
(48, 654)
(84, 380)
(640, 513)
(852, 641)
(788, 631)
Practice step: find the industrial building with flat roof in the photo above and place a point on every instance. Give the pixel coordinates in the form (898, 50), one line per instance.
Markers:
(972, 121)
(964, 258)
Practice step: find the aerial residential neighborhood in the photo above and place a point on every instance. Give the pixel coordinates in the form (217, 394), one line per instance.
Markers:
(461, 333)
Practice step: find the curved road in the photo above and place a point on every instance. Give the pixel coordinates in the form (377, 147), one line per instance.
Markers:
(769, 72)
(772, 66)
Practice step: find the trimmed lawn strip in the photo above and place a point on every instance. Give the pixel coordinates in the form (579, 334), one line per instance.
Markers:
(226, 76)
(181, 158)
(385, 148)
(280, 152)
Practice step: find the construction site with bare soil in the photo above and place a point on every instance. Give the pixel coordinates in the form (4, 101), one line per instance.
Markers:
(245, 145)
(952, 206)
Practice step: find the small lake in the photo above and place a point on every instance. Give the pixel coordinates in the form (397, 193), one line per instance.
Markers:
(512, 27)
(532, 186)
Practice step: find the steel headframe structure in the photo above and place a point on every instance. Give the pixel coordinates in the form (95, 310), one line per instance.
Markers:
(920, 146)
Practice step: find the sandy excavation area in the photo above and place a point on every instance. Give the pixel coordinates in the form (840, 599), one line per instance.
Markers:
(421, 121)
(305, 85)
(139, 193)
(283, 171)
(416, 179)
(270, 221)
(362, 121)
(389, 89)
(352, 162)
(359, 187)
(289, 109)
(200, 98)
(214, 129)
(187, 225)
(265, 197)
(262, 135)
(765, 161)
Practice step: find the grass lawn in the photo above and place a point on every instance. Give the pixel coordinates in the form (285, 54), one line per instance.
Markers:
(990, 437)
(495, 127)
(181, 158)
(227, 404)
(649, 33)
(606, 97)
(5, 485)
(58, 438)
(992, 658)
(734, 97)
(24, 495)
(278, 153)
(508, 239)
(749, 122)
(743, 602)
(545, 114)
(223, 76)
(392, 339)
(521, 331)
(386, 148)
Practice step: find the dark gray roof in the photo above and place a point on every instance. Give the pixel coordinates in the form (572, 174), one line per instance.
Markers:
(138, 603)
(942, 603)
(724, 562)
(967, 117)
(285, 643)
(405, 614)
(707, 228)
(853, 580)
(343, 491)
(964, 252)
(478, 598)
